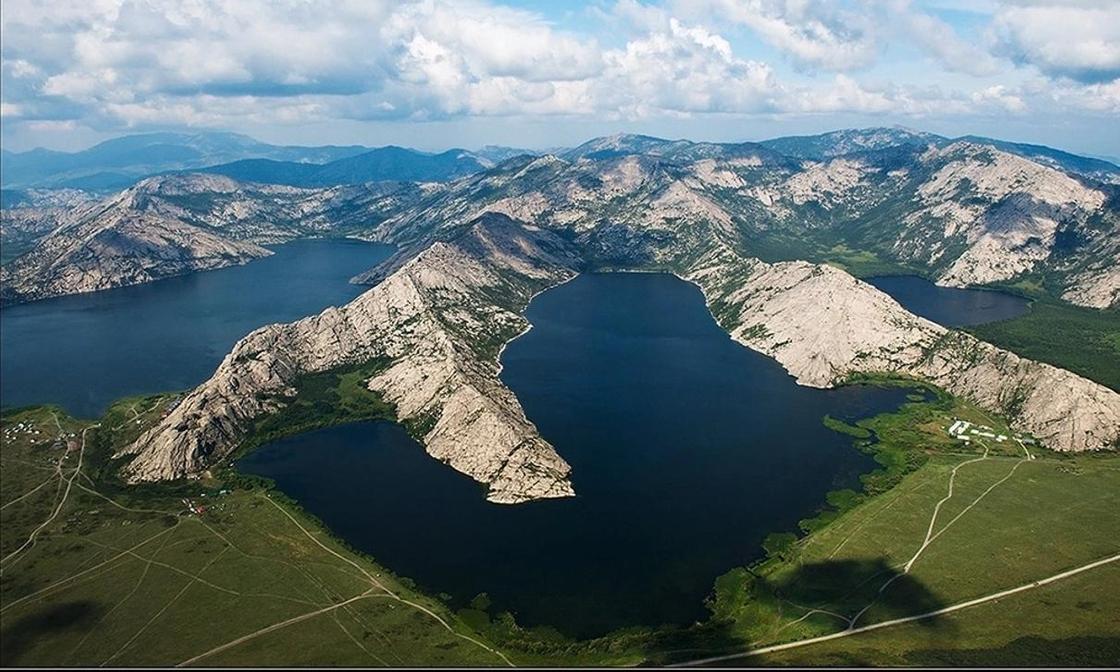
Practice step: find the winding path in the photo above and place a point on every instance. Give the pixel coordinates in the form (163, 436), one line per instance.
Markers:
(62, 502)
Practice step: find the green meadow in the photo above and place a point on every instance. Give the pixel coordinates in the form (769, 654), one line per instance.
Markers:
(131, 576)
(226, 570)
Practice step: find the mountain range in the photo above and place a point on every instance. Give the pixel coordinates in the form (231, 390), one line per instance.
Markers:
(751, 224)
(838, 143)
(118, 163)
(121, 162)
(384, 163)
(964, 213)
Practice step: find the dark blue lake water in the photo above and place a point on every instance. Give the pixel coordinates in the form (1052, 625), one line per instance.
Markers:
(686, 448)
(82, 352)
(950, 306)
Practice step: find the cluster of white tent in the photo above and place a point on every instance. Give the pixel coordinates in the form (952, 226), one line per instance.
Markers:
(964, 430)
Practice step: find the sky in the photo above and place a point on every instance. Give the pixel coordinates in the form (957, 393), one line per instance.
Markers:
(434, 74)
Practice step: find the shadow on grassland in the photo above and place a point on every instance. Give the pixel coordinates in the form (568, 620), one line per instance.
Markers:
(907, 651)
(21, 635)
(847, 586)
(1031, 651)
(843, 587)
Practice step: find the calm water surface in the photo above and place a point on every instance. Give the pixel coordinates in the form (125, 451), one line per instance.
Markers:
(950, 306)
(687, 449)
(82, 352)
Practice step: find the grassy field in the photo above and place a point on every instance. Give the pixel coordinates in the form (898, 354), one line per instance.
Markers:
(862, 263)
(127, 576)
(1014, 515)
(226, 571)
(322, 400)
(1057, 625)
(31, 470)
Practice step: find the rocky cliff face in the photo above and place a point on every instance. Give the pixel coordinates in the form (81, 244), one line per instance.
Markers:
(108, 244)
(440, 316)
(823, 325)
(439, 319)
(961, 212)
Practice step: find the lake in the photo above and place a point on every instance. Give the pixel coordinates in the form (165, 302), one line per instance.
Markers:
(82, 352)
(687, 449)
(950, 306)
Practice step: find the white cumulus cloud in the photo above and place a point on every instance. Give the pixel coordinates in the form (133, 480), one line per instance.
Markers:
(1079, 41)
(112, 65)
(818, 33)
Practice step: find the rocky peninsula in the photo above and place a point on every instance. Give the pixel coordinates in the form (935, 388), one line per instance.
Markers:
(440, 316)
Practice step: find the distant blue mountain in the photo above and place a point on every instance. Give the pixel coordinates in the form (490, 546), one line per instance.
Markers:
(119, 162)
(1049, 155)
(383, 163)
(495, 154)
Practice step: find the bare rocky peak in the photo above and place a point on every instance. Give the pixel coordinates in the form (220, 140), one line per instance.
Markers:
(848, 142)
(1007, 211)
(437, 320)
(174, 224)
(859, 140)
(117, 249)
(823, 325)
(128, 238)
(678, 151)
(187, 183)
(994, 174)
(966, 210)
(618, 144)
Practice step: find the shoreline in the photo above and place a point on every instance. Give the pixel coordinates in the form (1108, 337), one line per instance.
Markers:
(266, 487)
(529, 325)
